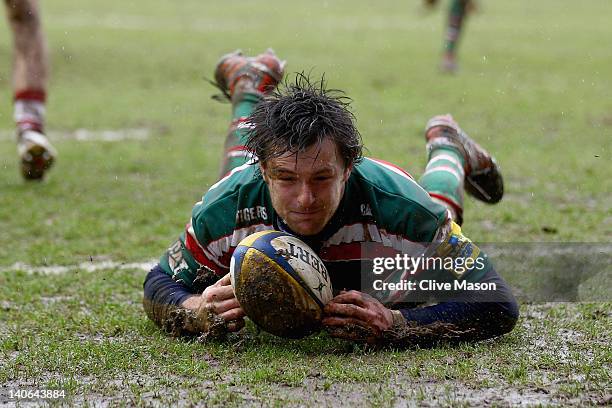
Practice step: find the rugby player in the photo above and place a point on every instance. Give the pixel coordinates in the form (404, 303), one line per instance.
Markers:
(457, 13)
(294, 163)
(30, 75)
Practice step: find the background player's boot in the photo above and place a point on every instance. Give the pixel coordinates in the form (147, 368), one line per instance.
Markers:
(449, 63)
(236, 74)
(36, 154)
(483, 178)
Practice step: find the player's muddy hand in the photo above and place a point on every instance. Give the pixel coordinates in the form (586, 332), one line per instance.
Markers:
(357, 316)
(219, 305)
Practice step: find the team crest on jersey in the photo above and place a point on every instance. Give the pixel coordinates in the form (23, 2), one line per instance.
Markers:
(366, 209)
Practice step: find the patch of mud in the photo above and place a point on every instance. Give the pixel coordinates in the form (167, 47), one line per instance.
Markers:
(545, 386)
(216, 328)
(428, 334)
(121, 390)
(567, 272)
(181, 322)
(559, 352)
(402, 391)
(411, 334)
(405, 392)
(399, 391)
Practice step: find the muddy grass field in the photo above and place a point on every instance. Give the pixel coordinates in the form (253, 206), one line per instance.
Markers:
(85, 333)
(140, 140)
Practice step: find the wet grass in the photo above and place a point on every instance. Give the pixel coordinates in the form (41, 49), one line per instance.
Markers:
(76, 333)
(534, 87)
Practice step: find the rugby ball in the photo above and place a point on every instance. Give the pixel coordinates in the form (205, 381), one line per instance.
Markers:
(280, 283)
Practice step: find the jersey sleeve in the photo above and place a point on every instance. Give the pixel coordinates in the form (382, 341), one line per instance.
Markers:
(201, 254)
(231, 209)
(192, 259)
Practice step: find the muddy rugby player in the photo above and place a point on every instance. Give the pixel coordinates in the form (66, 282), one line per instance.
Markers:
(293, 162)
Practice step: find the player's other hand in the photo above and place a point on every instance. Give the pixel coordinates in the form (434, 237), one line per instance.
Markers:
(218, 300)
(354, 315)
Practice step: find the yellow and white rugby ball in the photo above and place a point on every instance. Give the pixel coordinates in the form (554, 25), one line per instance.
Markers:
(280, 283)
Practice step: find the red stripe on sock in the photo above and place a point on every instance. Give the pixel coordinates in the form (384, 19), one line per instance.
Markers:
(236, 148)
(458, 209)
(241, 119)
(24, 125)
(31, 95)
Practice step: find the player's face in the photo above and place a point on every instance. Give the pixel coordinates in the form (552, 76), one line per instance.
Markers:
(306, 191)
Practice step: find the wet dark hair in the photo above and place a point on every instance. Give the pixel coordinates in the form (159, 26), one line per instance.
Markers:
(300, 114)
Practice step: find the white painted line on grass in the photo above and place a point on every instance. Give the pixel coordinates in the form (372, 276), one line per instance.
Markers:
(83, 266)
(86, 135)
(527, 251)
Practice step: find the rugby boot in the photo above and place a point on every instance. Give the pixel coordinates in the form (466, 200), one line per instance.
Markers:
(37, 155)
(483, 179)
(449, 64)
(236, 74)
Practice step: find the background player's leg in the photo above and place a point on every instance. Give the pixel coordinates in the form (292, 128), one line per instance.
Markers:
(30, 75)
(456, 17)
(30, 69)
